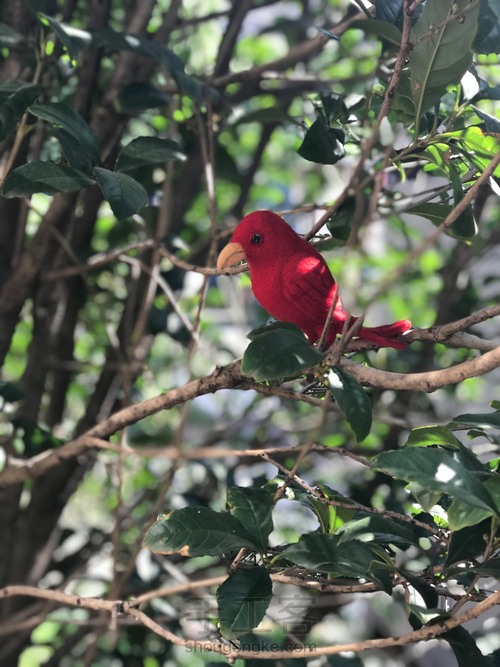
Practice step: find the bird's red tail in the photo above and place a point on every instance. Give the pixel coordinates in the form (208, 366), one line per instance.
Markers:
(384, 335)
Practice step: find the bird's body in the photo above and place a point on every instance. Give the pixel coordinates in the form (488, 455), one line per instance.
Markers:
(292, 281)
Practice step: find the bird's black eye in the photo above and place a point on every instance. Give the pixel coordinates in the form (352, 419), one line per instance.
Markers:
(256, 239)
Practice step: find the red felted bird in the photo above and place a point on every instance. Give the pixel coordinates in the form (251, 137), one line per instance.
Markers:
(292, 281)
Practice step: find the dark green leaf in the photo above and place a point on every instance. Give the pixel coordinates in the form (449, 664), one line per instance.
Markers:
(429, 593)
(10, 392)
(73, 153)
(380, 530)
(465, 648)
(330, 517)
(196, 531)
(73, 39)
(490, 568)
(464, 227)
(136, 97)
(278, 350)
(125, 195)
(352, 400)
(426, 436)
(62, 116)
(242, 600)
(322, 144)
(273, 115)
(339, 225)
(327, 553)
(15, 98)
(9, 36)
(486, 420)
(491, 123)
(253, 508)
(468, 543)
(437, 470)
(145, 151)
(461, 515)
(441, 49)
(386, 31)
(46, 177)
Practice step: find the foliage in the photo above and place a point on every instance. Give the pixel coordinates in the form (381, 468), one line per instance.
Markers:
(247, 524)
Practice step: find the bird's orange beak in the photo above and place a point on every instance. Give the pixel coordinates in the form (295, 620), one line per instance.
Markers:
(231, 255)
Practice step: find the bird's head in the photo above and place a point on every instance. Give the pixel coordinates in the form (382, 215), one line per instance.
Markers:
(260, 238)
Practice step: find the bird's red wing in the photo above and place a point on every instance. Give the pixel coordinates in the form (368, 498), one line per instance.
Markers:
(309, 290)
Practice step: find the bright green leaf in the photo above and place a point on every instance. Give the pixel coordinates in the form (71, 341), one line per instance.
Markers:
(426, 436)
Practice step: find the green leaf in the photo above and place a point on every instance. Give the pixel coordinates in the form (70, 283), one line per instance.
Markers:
(273, 115)
(490, 568)
(352, 400)
(477, 147)
(242, 600)
(386, 31)
(145, 151)
(8, 36)
(253, 508)
(15, 98)
(485, 420)
(73, 39)
(125, 195)
(278, 350)
(437, 470)
(464, 227)
(322, 144)
(441, 40)
(468, 543)
(327, 553)
(196, 531)
(380, 530)
(426, 436)
(10, 392)
(138, 96)
(339, 225)
(330, 517)
(461, 515)
(62, 116)
(46, 177)
(465, 648)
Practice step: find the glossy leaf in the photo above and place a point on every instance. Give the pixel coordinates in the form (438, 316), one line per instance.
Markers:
(381, 530)
(278, 350)
(242, 600)
(145, 151)
(466, 650)
(328, 553)
(437, 470)
(468, 543)
(62, 116)
(382, 29)
(15, 98)
(322, 144)
(125, 195)
(73, 39)
(426, 436)
(196, 531)
(352, 400)
(253, 508)
(46, 177)
(330, 517)
(138, 96)
(441, 49)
